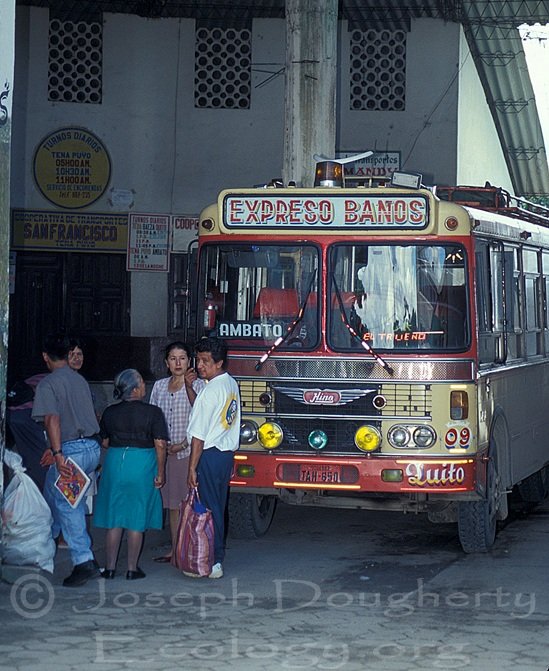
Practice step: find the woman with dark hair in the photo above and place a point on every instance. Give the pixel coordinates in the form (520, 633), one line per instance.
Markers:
(76, 354)
(175, 395)
(136, 435)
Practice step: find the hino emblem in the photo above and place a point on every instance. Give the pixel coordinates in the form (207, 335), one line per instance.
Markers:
(324, 396)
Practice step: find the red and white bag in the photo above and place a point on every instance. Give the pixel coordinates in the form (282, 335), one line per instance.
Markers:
(194, 550)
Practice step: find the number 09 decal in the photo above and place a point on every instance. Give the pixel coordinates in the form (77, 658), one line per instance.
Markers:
(455, 438)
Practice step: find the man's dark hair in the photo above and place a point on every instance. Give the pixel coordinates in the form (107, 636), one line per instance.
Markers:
(56, 346)
(215, 346)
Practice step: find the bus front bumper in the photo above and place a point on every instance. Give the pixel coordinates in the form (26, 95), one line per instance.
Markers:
(373, 473)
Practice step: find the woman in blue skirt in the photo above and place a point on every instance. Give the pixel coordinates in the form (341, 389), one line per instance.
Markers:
(136, 435)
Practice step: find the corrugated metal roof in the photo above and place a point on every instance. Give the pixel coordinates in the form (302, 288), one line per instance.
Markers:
(492, 33)
(490, 27)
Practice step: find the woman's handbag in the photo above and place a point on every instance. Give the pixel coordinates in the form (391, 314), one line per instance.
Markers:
(194, 550)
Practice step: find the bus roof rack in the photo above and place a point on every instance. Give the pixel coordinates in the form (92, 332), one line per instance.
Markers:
(495, 199)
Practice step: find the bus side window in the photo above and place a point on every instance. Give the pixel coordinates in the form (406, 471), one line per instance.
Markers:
(511, 299)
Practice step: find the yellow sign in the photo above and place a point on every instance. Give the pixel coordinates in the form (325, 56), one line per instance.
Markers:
(70, 231)
(72, 168)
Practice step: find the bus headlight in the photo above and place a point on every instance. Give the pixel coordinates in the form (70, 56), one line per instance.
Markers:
(367, 438)
(248, 432)
(398, 436)
(270, 435)
(424, 436)
(403, 436)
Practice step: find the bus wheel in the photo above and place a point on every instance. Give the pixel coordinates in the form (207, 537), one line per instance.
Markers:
(250, 515)
(477, 520)
(533, 489)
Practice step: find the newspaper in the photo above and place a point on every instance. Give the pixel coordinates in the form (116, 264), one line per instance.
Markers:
(74, 487)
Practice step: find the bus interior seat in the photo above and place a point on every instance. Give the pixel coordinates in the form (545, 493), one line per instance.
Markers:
(275, 303)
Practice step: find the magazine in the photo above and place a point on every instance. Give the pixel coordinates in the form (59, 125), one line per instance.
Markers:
(74, 487)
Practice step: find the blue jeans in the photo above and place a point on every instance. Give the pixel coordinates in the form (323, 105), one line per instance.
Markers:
(72, 521)
(214, 473)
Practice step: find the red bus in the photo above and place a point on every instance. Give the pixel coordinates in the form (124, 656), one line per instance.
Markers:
(391, 347)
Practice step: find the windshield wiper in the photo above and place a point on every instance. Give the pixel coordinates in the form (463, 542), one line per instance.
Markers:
(291, 327)
(351, 330)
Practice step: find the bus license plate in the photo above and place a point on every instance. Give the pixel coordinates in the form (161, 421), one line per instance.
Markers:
(323, 474)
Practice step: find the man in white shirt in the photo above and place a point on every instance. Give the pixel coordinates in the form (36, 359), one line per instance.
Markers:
(214, 435)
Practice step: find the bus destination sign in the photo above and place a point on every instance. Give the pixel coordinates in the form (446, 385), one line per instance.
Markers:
(341, 212)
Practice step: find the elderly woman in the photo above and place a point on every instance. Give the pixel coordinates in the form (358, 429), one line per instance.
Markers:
(135, 436)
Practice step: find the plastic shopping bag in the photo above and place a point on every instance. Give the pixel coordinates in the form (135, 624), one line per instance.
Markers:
(194, 550)
(26, 521)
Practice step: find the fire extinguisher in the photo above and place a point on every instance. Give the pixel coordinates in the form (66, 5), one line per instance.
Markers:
(209, 313)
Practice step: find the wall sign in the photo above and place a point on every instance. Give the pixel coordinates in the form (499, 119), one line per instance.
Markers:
(379, 166)
(148, 242)
(72, 168)
(70, 231)
(184, 231)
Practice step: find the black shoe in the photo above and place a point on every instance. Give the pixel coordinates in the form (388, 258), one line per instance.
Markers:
(81, 573)
(135, 575)
(108, 573)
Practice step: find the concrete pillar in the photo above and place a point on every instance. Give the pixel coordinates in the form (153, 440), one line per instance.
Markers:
(7, 57)
(311, 73)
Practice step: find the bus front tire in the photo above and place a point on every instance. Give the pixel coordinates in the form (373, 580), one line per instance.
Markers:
(477, 520)
(250, 515)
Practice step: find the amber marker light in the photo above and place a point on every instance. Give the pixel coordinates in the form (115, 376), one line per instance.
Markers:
(329, 173)
(451, 223)
(459, 404)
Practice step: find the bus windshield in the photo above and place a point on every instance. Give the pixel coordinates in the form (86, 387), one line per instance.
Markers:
(253, 294)
(397, 297)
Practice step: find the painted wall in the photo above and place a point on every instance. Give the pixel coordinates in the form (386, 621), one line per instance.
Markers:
(175, 158)
(425, 133)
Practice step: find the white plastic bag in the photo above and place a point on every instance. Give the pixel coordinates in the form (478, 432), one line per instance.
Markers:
(26, 521)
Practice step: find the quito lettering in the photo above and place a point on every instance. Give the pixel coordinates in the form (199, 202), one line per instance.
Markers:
(447, 474)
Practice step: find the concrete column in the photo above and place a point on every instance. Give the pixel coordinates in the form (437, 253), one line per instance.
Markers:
(311, 72)
(7, 58)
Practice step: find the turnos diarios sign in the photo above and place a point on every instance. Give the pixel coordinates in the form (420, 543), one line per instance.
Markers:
(148, 242)
(72, 168)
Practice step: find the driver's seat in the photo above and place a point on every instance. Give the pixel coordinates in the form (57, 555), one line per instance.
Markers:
(272, 303)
